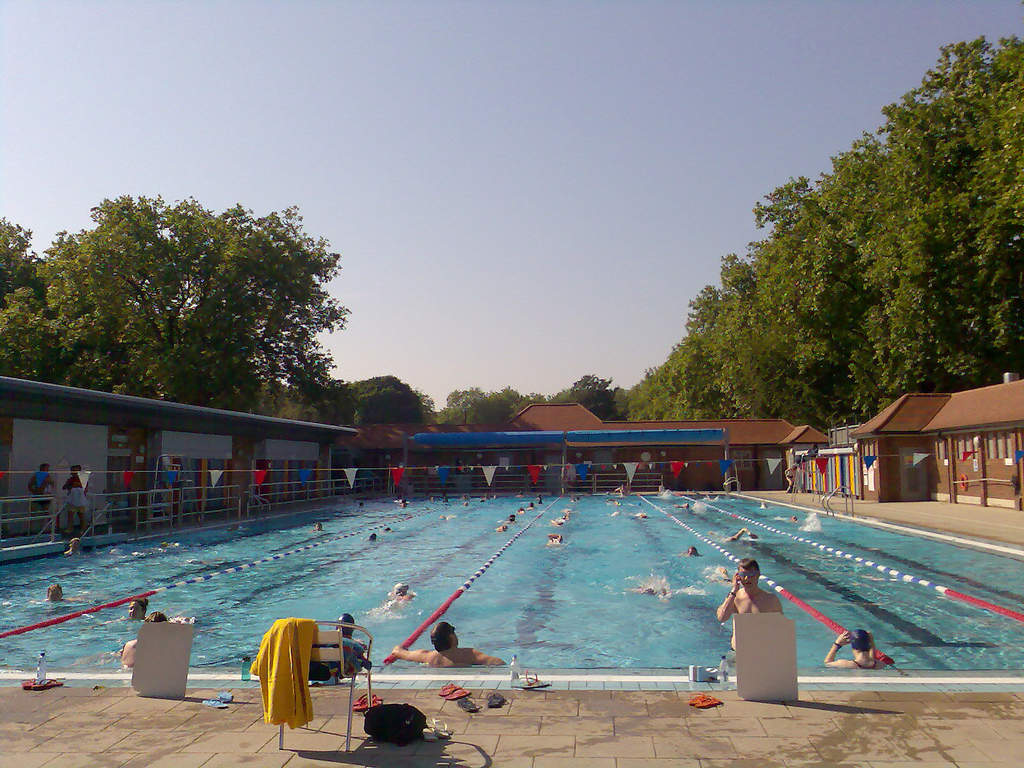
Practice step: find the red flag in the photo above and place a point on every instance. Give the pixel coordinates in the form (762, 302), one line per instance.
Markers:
(822, 464)
(396, 474)
(966, 455)
(534, 470)
(127, 476)
(677, 467)
(2, 473)
(259, 475)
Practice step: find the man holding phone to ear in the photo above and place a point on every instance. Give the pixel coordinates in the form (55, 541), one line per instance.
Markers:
(745, 596)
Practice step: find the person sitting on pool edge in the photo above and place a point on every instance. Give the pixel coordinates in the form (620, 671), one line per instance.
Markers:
(863, 645)
(354, 655)
(446, 651)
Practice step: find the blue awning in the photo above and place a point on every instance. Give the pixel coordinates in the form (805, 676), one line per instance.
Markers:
(644, 436)
(486, 439)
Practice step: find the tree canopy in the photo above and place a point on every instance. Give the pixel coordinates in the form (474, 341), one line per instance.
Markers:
(389, 400)
(901, 269)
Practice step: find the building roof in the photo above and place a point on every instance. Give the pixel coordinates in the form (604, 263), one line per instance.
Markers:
(740, 431)
(909, 413)
(26, 399)
(803, 435)
(563, 416)
(996, 404)
(388, 436)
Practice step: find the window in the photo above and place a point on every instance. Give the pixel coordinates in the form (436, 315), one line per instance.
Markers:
(990, 445)
(940, 449)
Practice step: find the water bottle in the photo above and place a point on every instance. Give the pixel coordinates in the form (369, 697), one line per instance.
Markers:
(723, 670)
(41, 668)
(514, 674)
(246, 664)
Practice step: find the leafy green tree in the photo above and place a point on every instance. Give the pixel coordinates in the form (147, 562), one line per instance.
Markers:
(474, 406)
(389, 400)
(595, 394)
(25, 337)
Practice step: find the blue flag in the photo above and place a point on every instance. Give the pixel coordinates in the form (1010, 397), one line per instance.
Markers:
(1018, 455)
(305, 474)
(869, 460)
(581, 471)
(172, 476)
(724, 464)
(442, 472)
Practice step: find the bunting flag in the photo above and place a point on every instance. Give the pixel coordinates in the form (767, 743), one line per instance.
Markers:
(304, 475)
(581, 471)
(259, 475)
(172, 476)
(2, 473)
(723, 465)
(919, 457)
(83, 477)
(215, 475)
(1018, 455)
(489, 473)
(396, 474)
(534, 470)
(966, 455)
(442, 472)
(127, 476)
(869, 461)
(677, 467)
(822, 464)
(630, 467)
(350, 473)
(773, 464)
(40, 478)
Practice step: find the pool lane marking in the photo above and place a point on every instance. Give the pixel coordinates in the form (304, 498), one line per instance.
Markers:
(812, 611)
(441, 609)
(195, 580)
(907, 578)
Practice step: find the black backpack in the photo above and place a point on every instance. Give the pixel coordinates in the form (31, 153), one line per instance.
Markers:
(397, 723)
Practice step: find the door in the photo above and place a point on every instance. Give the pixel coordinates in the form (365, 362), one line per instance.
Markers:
(913, 485)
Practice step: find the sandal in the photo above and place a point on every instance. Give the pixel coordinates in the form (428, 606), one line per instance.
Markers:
(496, 700)
(531, 683)
(703, 701)
(451, 692)
(361, 704)
(468, 705)
(440, 729)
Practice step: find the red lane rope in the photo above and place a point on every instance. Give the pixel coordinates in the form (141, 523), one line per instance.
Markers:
(75, 615)
(1008, 612)
(441, 609)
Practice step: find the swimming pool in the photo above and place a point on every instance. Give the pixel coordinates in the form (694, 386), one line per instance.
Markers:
(567, 607)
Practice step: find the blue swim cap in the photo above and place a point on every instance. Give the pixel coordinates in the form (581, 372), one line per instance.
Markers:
(860, 640)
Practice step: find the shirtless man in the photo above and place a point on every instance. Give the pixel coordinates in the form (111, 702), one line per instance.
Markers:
(746, 596)
(740, 534)
(446, 651)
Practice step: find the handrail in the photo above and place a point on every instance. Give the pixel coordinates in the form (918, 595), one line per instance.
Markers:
(844, 492)
(734, 479)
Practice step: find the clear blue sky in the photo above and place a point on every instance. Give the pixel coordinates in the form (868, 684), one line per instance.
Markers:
(522, 192)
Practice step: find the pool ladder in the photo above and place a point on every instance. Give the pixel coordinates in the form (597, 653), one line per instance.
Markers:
(843, 492)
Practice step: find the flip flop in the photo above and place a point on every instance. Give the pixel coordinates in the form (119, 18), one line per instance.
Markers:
(32, 685)
(440, 729)
(225, 696)
(468, 705)
(531, 683)
(215, 703)
(361, 704)
(451, 692)
(703, 701)
(496, 700)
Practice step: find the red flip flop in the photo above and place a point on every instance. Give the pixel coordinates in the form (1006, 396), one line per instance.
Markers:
(451, 692)
(32, 685)
(361, 704)
(702, 701)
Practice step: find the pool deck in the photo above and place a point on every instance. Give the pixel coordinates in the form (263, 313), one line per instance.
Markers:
(70, 727)
(970, 520)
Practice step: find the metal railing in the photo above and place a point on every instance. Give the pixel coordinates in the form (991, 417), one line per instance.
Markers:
(844, 493)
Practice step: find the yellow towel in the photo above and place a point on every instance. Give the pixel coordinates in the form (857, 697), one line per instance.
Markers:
(282, 666)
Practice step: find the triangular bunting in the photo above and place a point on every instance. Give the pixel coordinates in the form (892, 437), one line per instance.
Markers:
(396, 474)
(677, 467)
(773, 464)
(489, 474)
(305, 474)
(534, 470)
(723, 465)
(126, 477)
(869, 461)
(259, 475)
(822, 464)
(966, 455)
(350, 473)
(442, 472)
(581, 471)
(919, 457)
(83, 477)
(172, 476)
(215, 476)
(2, 473)
(630, 467)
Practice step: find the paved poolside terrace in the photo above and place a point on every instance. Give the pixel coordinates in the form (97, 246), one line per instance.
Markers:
(605, 718)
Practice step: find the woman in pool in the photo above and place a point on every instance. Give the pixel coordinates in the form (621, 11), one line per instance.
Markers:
(54, 593)
(863, 645)
(554, 539)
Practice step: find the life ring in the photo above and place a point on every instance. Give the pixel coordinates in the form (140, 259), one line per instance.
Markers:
(963, 482)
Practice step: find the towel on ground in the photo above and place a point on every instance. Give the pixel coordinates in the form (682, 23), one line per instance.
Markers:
(282, 666)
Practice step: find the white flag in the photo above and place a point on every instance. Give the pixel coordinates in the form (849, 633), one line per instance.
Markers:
(773, 464)
(489, 474)
(919, 457)
(215, 476)
(83, 477)
(350, 473)
(630, 470)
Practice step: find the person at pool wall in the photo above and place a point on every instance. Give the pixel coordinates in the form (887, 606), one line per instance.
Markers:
(354, 654)
(447, 652)
(745, 596)
(863, 645)
(128, 652)
(137, 608)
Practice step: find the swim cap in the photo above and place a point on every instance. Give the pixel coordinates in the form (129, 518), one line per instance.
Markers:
(860, 640)
(400, 587)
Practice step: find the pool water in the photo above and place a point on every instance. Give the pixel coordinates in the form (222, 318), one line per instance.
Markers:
(569, 607)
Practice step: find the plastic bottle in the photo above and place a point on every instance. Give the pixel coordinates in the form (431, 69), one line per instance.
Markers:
(515, 673)
(723, 670)
(41, 668)
(246, 664)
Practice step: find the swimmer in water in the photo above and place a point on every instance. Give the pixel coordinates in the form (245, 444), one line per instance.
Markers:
(793, 519)
(400, 593)
(54, 593)
(640, 515)
(721, 574)
(558, 521)
(740, 533)
(318, 526)
(137, 608)
(554, 539)
(74, 547)
(511, 518)
(520, 511)
(502, 528)
(530, 505)
(372, 537)
(692, 552)
(656, 586)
